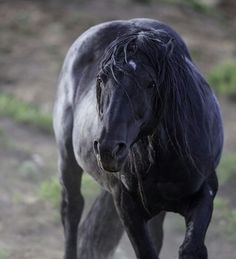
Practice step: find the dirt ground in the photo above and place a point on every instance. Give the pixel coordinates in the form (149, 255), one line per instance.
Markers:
(34, 38)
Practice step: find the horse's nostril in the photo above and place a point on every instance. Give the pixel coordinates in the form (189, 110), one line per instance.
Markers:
(119, 149)
(95, 147)
(109, 150)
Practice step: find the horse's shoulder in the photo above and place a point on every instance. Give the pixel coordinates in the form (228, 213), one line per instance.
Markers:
(85, 54)
(91, 44)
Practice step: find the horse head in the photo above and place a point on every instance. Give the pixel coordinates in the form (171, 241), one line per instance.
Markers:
(128, 94)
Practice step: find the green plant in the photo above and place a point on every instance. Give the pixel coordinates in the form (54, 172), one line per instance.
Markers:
(225, 218)
(142, 1)
(23, 112)
(89, 187)
(50, 189)
(196, 5)
(223, 78)
(4, 139)
(3, 253)
(1, 133)
(227, 167)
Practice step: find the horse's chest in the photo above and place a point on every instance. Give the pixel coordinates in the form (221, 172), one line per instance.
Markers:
(167, 196)
(168, 185)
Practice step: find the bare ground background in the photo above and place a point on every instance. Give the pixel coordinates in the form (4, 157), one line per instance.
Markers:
(34, 38)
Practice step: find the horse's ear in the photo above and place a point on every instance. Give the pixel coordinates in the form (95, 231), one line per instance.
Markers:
(170, 45)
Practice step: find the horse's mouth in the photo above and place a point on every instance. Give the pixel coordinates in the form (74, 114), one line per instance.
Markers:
(111, 170)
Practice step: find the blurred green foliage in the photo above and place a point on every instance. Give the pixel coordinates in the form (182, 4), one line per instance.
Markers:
(50, 190)
(223, 79)
(196, 5)
(23, 112)
(89, 187)
(224, 218)
(3, 253)
(143, 1)
(227, 167)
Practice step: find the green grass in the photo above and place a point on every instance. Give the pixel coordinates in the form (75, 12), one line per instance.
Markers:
(90, 188)
(196, 5)
(50, 189)
(3, 253)
(4, 139)
(227, 167)
(1, 133)
(224, 218)
(23, 112)
(223, 78)
(143, 1)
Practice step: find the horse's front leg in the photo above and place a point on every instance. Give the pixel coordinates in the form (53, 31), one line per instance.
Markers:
(72, 204)
(72, 201)
(134, 221)
(197, 220)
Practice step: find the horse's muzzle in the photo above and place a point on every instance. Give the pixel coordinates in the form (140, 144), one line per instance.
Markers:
(110, 155)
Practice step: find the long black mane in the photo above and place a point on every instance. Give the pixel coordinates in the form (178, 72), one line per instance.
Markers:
(181, 91)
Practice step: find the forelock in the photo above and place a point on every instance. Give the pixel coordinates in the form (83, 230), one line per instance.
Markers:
(121, 53)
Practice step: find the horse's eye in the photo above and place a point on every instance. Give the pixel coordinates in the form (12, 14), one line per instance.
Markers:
(152, 84)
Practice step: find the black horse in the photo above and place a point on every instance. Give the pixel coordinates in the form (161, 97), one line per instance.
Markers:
(134, 112)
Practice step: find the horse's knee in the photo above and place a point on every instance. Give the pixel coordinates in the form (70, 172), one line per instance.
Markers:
(72, 202)
(72, 205)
